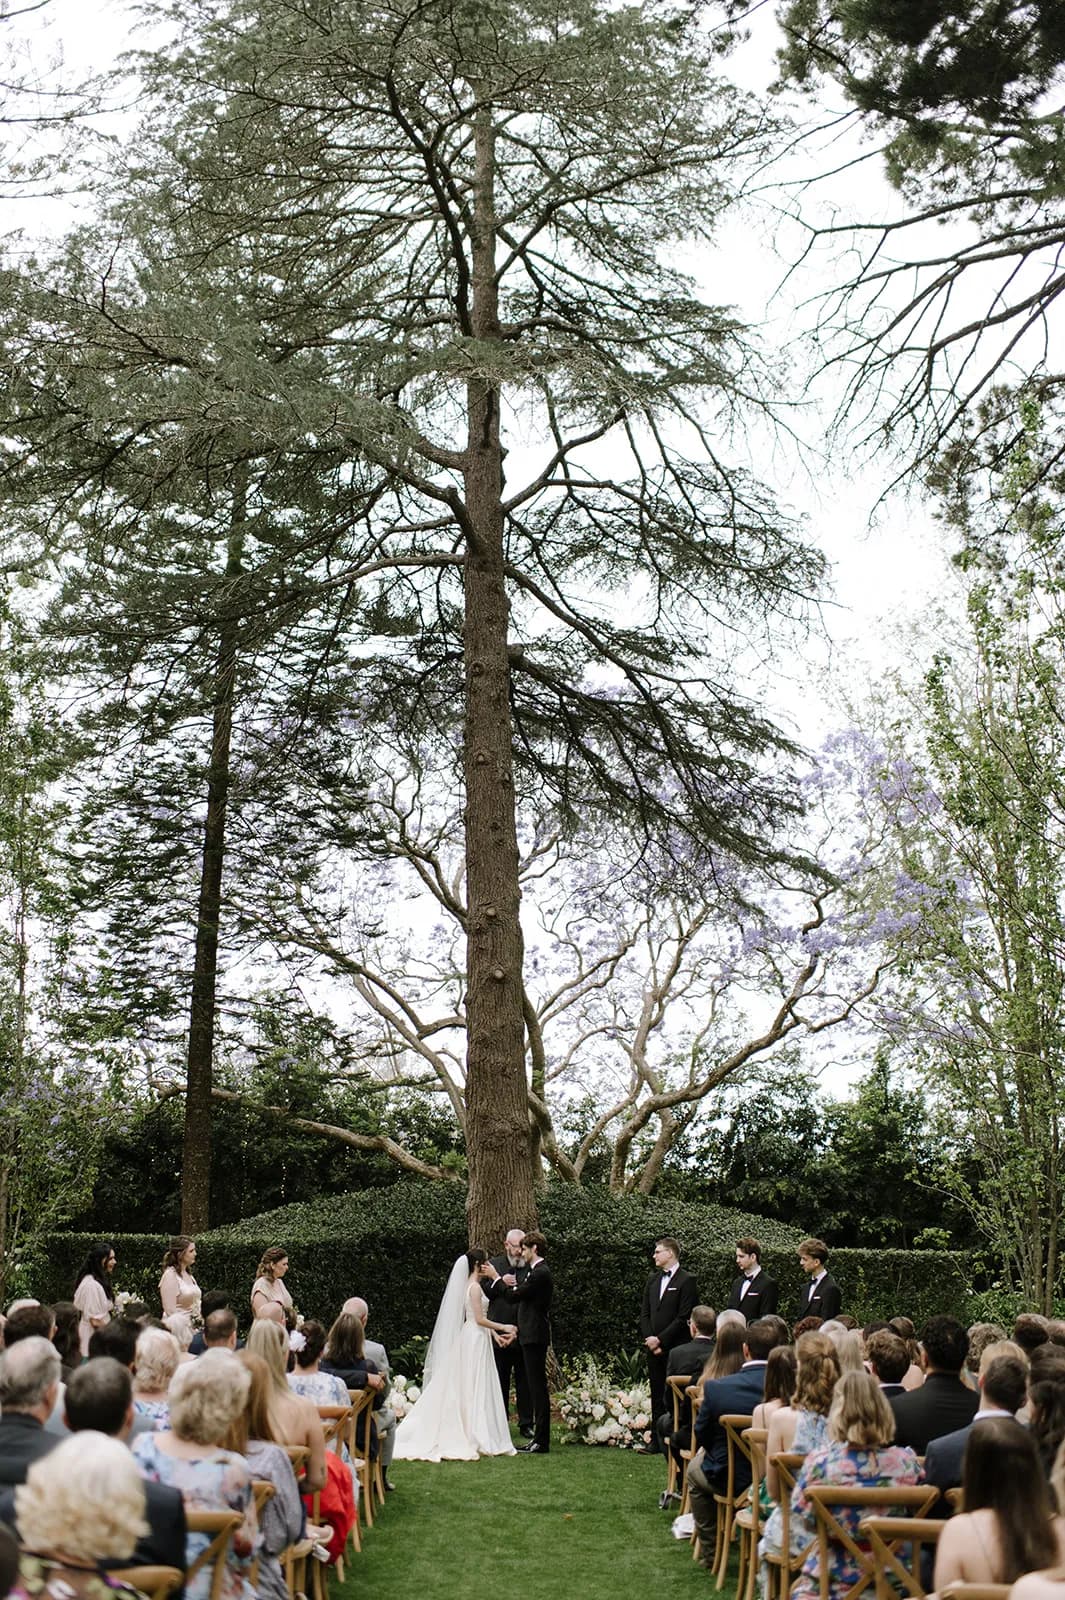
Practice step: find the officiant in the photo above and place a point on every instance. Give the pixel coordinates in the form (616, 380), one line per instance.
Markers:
(509, 1359)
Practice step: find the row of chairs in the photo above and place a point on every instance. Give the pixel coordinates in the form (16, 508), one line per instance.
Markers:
(891, 1539)
(349, 1426)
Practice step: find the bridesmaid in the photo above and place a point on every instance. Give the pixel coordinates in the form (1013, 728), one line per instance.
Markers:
(178, 1289)
(94, 1293)
(269, 1297)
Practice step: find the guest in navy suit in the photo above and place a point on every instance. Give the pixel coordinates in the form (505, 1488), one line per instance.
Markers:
(668, 1302)
(739, 1394)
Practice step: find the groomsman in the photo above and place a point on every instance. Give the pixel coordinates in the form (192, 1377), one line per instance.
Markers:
(754, 1291)
(821, 1297)
(509, 1359)
(668, 1302)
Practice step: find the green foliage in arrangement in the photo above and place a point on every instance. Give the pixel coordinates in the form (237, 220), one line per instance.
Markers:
(395, 1245)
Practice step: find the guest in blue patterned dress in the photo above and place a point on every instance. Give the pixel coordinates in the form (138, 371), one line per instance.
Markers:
(859, 1455)
(324, 1388)
(158, 1358)
(206, 1397)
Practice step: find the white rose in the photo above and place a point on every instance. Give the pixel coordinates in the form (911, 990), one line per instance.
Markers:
(599, 1412)
(413, 1393)
(641, 1419)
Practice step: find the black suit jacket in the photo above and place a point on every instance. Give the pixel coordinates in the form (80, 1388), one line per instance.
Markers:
(164, 1543)
(532, 1301)
(760, 1299)
(23, 1440)
(941, 1405)
(822, 1300)
(667, 1314)
(503, 1310)
(689, 1358)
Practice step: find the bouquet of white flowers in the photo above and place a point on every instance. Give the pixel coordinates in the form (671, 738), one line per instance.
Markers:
(404, 1395)
(597, 1411)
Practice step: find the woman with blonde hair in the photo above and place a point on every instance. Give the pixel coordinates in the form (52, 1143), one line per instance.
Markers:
(158, 1358)
(269, 1297)
(293, 1420)
(859, 1455)
(1008, 1526)
(252, 1437)
(206, 1397)
(81, 1504)
(799, 1427)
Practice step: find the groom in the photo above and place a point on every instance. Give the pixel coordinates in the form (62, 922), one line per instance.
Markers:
(532, 1296)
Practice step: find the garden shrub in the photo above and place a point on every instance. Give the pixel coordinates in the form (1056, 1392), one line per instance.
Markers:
(395, 1246)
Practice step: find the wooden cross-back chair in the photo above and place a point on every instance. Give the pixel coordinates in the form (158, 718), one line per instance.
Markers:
(783, 1566)
(828, 1500)
(219, 1526)
(371, 1477)
(975, 1591)
(678, 1386)
(735, 1425)
(749, 1516)
(693, 1395)
(891, 1539)
(264, 1492)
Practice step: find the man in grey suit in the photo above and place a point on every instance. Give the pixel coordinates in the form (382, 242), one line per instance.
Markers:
(385, 1418)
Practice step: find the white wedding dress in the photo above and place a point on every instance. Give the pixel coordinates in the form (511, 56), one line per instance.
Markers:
(460, 1414)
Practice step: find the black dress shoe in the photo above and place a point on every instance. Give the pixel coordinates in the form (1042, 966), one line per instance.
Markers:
(526, 1430)
(533, 1449)
(390, 1488)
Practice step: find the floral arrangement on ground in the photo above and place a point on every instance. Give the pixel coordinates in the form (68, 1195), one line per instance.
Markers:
(598, 1411)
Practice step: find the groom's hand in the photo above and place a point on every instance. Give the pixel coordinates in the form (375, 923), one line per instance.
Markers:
(509, 1279)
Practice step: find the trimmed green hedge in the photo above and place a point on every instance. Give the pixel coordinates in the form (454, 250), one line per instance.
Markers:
(395, 1246)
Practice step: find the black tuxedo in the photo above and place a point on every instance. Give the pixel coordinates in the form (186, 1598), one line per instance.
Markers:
(760, 1299)
(509, 1359)
(23, 1440)
(665, 1313)
(820, 1300)
(941, 1405)
(532, 1300)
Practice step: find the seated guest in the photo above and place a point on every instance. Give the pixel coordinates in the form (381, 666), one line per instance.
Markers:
(385, 1418)
(293, 1420)
(888, 1360)
(118, 1339)
(1046, 1415)
(99, 1399)
(1056, 1331)
(981, 1334)
(29, 1319)
(9, 1559)
(29, 1387)
(282, 1518)
(1002, 1385)
(345, 1356)
(805, 1325)
(213, 1300)
(739, 1392)
(206, 1397)
(859, 1454)
(65, 1338)
(780, 1369)
(687, 1360)
(801, 1426)
(943, 1402)
(1008, 1526)
(323, 1388)
(157, 1359)
(848, 1343)
(1030, 1331)
(908, 1334)
(726, 1354)
(219, 1331)
(80, 1505)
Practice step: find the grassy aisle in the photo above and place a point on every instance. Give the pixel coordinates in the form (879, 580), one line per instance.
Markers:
(579, 1522)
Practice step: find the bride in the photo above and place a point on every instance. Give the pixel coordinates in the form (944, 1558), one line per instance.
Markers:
(460, 1414)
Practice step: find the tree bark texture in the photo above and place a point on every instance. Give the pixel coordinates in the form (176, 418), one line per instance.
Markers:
(497, 1119)
(196, 1149)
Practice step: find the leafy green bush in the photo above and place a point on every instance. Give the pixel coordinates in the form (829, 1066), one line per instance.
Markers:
(395, 1246)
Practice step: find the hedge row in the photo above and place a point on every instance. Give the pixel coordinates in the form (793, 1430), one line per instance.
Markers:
(395, 1247)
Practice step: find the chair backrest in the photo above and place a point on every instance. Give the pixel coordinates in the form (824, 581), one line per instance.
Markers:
(298, 1454)
(361, 1420)
(154, 1582)
(955, 1498)
(264, 1492)
(735, 1425)
(219, 1526)
(891, 1539)
(678, 1388)
(974, 1591)
(828, 1500)
(756, 1440)
(336, 1421)
(786, 1464)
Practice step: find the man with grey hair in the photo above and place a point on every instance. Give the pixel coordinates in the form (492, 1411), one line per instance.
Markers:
(385, 1418)
(29, 1387)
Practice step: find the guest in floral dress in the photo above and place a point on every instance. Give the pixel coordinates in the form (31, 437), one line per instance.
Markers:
(81, 1504)
(158, 1358)
(324, 1388)
(206, 1397)
(859, 1455)
(798, 1428)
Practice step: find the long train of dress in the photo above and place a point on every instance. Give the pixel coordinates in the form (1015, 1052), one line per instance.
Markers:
(460, 1414)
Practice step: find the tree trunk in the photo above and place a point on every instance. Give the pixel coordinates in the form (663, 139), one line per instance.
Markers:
(196, 1151)
(497, 1118)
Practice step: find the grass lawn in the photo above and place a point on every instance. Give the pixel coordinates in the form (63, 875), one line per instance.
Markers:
(582, 1521)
